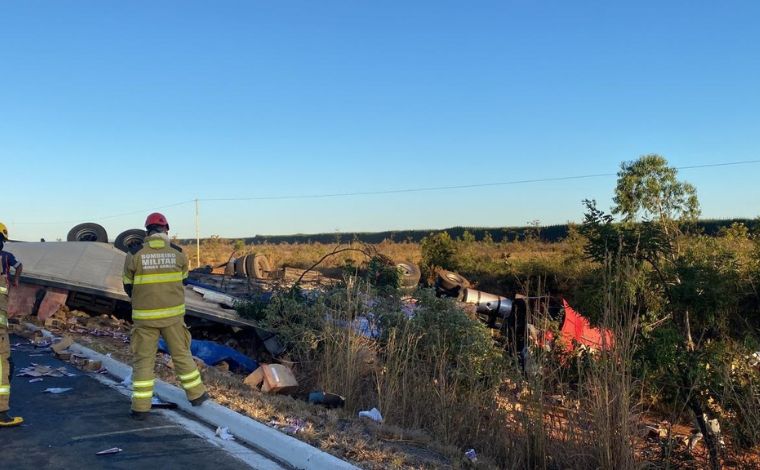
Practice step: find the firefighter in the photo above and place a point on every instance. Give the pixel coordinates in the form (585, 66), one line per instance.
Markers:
(154, 277)
(8, 261)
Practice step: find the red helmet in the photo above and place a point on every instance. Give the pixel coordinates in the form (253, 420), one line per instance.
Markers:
(156, 219)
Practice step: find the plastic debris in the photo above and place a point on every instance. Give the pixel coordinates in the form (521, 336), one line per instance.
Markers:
(224, 434)
(471, 455)
(112, 450)
(57, 390)
(35, 380)
(213, 353)
(373, 414)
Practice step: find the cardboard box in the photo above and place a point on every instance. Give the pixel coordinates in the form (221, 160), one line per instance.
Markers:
(278, 379)
(273, 378)
(62, 345)
(255, 378)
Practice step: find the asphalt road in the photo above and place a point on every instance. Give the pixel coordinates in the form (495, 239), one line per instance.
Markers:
(65, 431)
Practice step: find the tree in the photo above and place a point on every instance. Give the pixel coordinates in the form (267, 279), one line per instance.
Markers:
(648, 189)
(653, 204)
(438, 250)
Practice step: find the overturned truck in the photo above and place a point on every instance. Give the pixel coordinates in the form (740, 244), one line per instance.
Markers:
(88, 275)
(514, 318)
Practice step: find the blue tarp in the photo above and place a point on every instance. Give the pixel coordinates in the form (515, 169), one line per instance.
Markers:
(213, 353)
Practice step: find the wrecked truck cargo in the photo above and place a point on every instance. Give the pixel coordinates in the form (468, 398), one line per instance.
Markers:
(89, 273)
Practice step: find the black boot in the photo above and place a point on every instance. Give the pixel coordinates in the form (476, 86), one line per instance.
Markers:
(139, 415)
(200, 400)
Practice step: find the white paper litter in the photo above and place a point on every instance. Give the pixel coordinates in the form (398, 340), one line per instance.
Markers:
(224, 434)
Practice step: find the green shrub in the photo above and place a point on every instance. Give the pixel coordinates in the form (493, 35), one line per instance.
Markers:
(438, 250)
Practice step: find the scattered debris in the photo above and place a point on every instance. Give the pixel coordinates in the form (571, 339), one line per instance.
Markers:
(273, 378)
(213, 353)
(57, 390)
(224, 434)
(471, 455)
(329, 400)
(40, 341)
(64, 356)
(62, 344)
(290, 426)
(35, 380)
(373, 414)
(37, 370)
(693, 440)
(93, 366)
(217, 297)
(112, 450)
(714, 426)
(658, 432)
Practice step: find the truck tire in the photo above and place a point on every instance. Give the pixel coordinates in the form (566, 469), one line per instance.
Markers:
(253, 266)
(257, 266)
(127, 238)
(410, 274)
(450, 280)
(87, 232)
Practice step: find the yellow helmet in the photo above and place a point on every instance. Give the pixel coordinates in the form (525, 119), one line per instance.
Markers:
(4, 230)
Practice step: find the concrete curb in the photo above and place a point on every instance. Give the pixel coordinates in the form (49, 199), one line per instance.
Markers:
(282, 447)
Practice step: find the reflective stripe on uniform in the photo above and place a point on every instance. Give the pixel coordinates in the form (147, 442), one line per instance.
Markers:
(189, 376)
(193, 379)
(156, 243)
(143, 383)
(142, 394)
(126, 280)
(158, 313)
(194, 383)
(3, 320)
(4, 389)
(3, 290)
(141, 279)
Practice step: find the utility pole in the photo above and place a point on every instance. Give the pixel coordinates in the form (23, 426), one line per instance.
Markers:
(197, 236)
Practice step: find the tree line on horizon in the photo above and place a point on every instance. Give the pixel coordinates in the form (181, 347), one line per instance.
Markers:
(548, 233)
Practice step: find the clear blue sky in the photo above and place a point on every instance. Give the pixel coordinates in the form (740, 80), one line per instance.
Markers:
(114, 107)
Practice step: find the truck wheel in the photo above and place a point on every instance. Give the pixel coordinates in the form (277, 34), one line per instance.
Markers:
(410, 274)
(449, 280)
(127, 238)
(87, 232)
(257, 266)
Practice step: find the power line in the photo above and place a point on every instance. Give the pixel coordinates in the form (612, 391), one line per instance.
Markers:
(462, 186)
(391, 191)
(114, 216)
